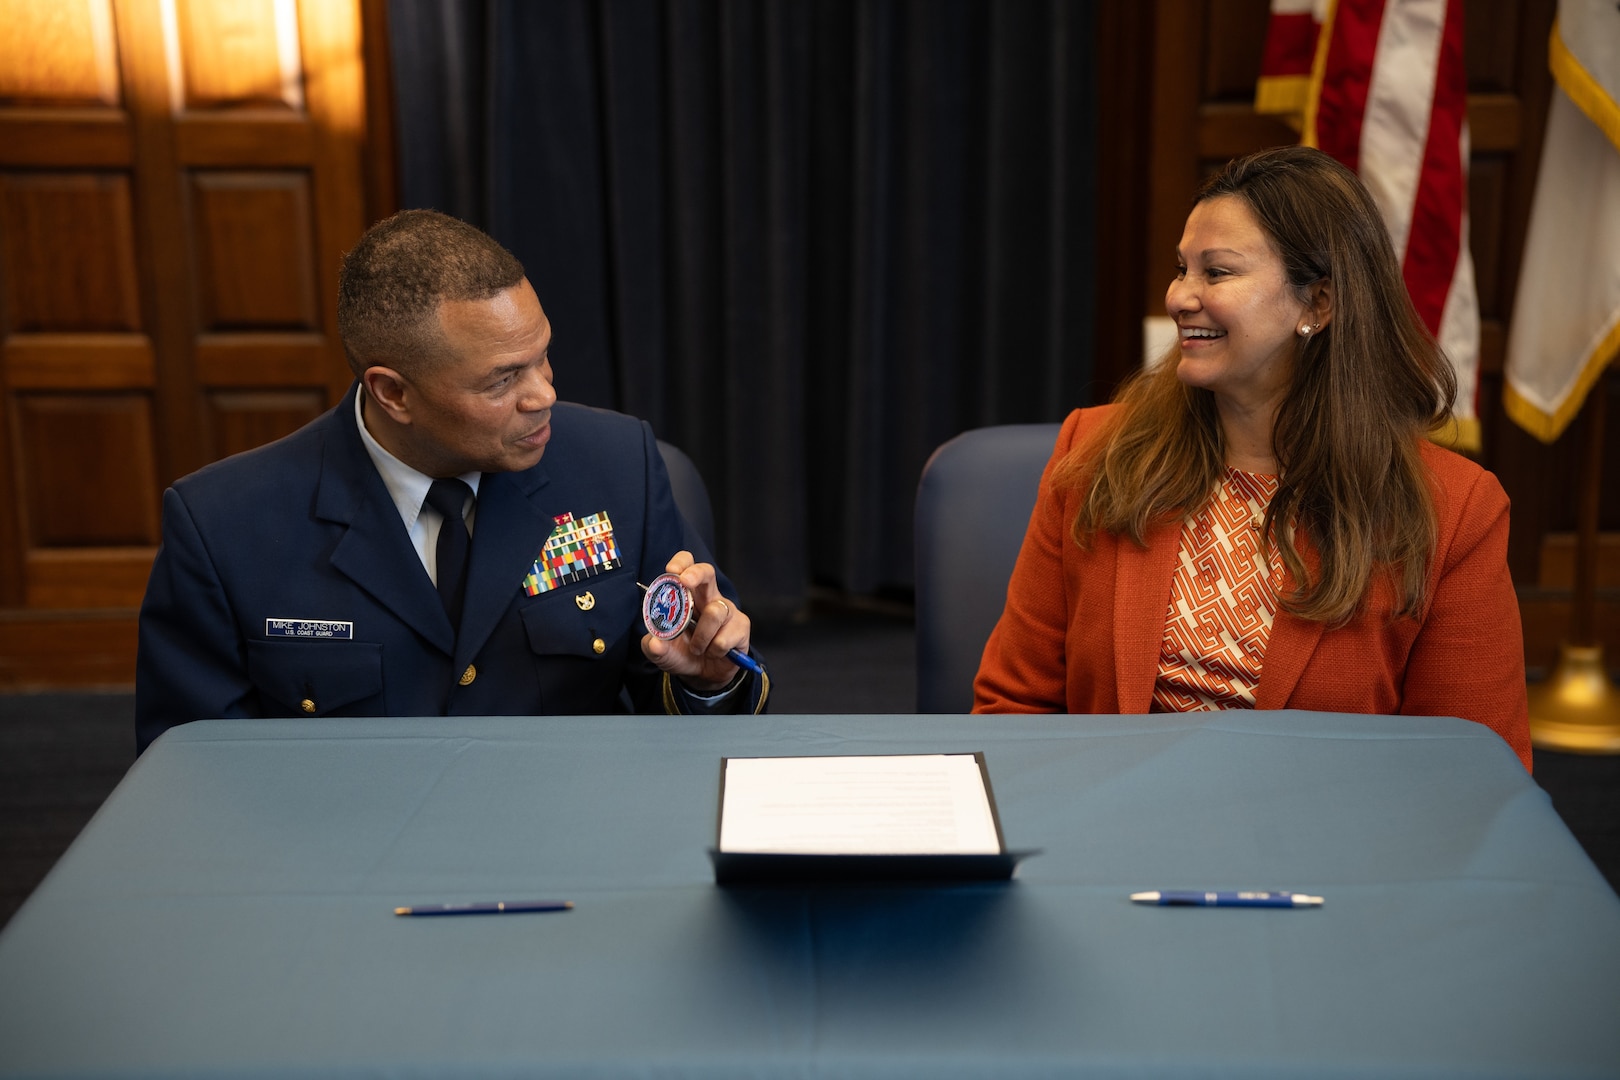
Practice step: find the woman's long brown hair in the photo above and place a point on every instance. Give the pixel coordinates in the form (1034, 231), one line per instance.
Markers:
(1364, 390)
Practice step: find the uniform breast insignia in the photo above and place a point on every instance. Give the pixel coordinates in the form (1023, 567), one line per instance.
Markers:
(585, 600)
(575, 550)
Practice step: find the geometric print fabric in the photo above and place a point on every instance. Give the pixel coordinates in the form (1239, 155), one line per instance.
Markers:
(1223, 600)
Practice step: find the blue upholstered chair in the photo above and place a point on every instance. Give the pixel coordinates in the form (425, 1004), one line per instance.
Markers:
(973, 504)
(690, 493)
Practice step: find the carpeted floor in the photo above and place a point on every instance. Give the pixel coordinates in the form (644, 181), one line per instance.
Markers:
(60, 754)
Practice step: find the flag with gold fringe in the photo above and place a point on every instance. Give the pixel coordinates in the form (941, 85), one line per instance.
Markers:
(1566, 317)
(1284, 85)
(1386, 93)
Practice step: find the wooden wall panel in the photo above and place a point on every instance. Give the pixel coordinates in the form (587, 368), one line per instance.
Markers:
(254, 241)
(330, 37)
(62, 53)
(178, 181)
(240, 421)
(68, 245)
(77, 361)
(90, 648)
(88, 476)
(240, 53)
(262, 359)
(1488, 184)
(1237, 38)
(1125, 44)
(1492, 42)
(75, 581)
(78, 371)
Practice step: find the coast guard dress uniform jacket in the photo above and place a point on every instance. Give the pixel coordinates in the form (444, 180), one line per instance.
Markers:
(286, 585)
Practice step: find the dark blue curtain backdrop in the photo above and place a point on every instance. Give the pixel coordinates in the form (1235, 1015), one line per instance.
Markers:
(808, 240)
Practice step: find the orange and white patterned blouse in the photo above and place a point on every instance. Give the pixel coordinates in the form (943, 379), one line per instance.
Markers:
(1223, 600)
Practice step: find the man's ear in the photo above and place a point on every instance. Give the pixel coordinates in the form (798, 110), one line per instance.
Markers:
(1321, 304)
(387, 388)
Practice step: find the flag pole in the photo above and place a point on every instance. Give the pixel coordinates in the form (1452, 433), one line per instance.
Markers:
(1578, 707)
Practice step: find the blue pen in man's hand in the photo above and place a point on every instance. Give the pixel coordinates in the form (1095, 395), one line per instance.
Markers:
(1179, 898)
(743, 660)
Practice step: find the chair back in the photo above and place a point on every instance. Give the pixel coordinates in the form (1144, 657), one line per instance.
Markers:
(973, 505)
(691, 495)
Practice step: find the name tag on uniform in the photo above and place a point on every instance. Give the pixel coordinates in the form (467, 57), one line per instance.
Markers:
(308, 628)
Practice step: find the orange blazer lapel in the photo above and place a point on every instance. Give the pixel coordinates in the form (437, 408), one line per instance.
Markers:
(1290, 646)
(1289, 649)
(1141, 598)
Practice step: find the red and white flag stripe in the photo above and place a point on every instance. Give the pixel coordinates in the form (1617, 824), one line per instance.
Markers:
(1389, 98)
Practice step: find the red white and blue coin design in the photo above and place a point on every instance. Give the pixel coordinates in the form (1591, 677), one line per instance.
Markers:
(666, 607)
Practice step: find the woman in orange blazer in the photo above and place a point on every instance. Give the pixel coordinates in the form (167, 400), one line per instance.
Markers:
(1260, 520)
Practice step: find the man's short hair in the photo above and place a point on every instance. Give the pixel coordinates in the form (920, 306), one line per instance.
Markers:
(392, 282)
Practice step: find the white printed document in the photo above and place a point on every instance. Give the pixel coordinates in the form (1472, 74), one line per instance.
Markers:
(902, 804)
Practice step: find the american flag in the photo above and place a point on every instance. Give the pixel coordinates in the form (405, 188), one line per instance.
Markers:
(1380, 85)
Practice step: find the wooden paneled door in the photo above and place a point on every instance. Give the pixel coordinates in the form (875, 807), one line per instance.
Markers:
(178, 181)
(1185, 71)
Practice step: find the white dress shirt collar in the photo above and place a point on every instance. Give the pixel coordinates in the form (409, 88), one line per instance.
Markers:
(406, 485)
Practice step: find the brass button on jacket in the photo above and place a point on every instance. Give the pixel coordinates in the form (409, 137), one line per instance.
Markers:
(307, 705)
(469, 675)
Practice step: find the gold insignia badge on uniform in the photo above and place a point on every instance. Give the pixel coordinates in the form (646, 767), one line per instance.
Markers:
(574, 551)
(585, 601)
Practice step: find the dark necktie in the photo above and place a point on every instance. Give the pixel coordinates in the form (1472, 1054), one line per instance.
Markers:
(448, 497)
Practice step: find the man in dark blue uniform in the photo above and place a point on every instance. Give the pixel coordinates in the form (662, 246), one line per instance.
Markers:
(449, 540)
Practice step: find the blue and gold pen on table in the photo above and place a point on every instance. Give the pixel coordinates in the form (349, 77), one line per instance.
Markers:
(1190, 897)
(496, 907)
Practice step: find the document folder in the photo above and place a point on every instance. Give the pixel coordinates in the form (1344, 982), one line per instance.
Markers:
(758, 868)
(866, 818)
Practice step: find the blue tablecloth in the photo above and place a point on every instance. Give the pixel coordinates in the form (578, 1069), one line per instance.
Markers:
(229, 909)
